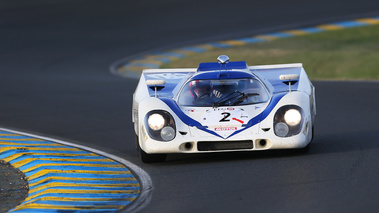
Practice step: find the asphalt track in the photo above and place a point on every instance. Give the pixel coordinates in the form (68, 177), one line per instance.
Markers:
(55, 81)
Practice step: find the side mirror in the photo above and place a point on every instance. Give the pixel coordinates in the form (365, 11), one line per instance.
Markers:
(290, 78)
(155, 83)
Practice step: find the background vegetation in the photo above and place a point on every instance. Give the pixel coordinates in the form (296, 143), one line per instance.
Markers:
(339, 54)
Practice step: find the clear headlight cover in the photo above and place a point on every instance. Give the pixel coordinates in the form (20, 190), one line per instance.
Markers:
(281, 129)
(156, 121)
(160, 125)
(168, 133)
(288, 121)
(292, 117)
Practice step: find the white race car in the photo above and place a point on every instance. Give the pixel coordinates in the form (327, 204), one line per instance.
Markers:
(221, 107)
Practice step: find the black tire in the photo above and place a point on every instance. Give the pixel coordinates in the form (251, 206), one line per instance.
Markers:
(151, 158)
(306, 149)
(137, 142)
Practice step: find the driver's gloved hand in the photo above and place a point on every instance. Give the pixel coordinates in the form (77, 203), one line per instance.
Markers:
(217, 93)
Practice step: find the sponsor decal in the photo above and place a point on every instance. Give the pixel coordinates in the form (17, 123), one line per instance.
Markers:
(225, 128)
(189, 110)
(221, 109)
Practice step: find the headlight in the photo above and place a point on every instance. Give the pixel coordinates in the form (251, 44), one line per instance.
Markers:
(292, 117)
(156, 121)
(288, 121)
(281, 129)
(160, 125)
(168, 133)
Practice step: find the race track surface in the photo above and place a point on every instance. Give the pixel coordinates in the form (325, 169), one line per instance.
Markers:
(55, 81)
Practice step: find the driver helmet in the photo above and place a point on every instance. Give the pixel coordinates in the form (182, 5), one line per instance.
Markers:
(198, 88)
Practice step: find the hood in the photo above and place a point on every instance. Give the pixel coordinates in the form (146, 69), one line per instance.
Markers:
(213, 120)
(226, 120)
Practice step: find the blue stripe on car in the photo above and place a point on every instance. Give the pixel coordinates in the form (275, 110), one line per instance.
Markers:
(222, 75)
(193, 123)
(214, 66)
(263, 115)
(183, 117)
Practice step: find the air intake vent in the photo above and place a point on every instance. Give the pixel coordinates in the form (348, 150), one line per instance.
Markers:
(224, 145)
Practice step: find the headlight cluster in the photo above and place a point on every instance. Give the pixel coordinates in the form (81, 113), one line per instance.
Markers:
(288, 121)
(160, 125)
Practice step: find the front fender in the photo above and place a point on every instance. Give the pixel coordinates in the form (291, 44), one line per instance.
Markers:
(297, 98)
(152, 103)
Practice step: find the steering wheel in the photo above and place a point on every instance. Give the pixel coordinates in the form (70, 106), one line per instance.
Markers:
(205, 95)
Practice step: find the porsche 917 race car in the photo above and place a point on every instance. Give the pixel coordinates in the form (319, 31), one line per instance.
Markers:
(221, 107)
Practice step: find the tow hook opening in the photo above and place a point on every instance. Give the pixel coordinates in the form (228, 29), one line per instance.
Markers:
(262, 144)
(188, 146)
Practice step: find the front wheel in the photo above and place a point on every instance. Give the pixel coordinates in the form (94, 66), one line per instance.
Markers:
(306, 148)
(151, 158)
(137, 142)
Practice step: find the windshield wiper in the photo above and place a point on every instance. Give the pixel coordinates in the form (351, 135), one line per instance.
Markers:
(240, 97)
(243, 97)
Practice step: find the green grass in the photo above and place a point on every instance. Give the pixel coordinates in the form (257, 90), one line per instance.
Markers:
(340, 54)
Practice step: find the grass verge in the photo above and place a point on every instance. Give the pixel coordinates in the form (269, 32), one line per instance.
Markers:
(346, 54)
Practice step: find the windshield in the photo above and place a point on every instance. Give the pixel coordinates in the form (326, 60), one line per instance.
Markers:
(222, 92)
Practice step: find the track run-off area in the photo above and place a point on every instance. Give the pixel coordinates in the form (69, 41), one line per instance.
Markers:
(62, 177)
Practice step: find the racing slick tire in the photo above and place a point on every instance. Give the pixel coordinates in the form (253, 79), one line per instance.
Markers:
(137, 142)
(306, 148)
